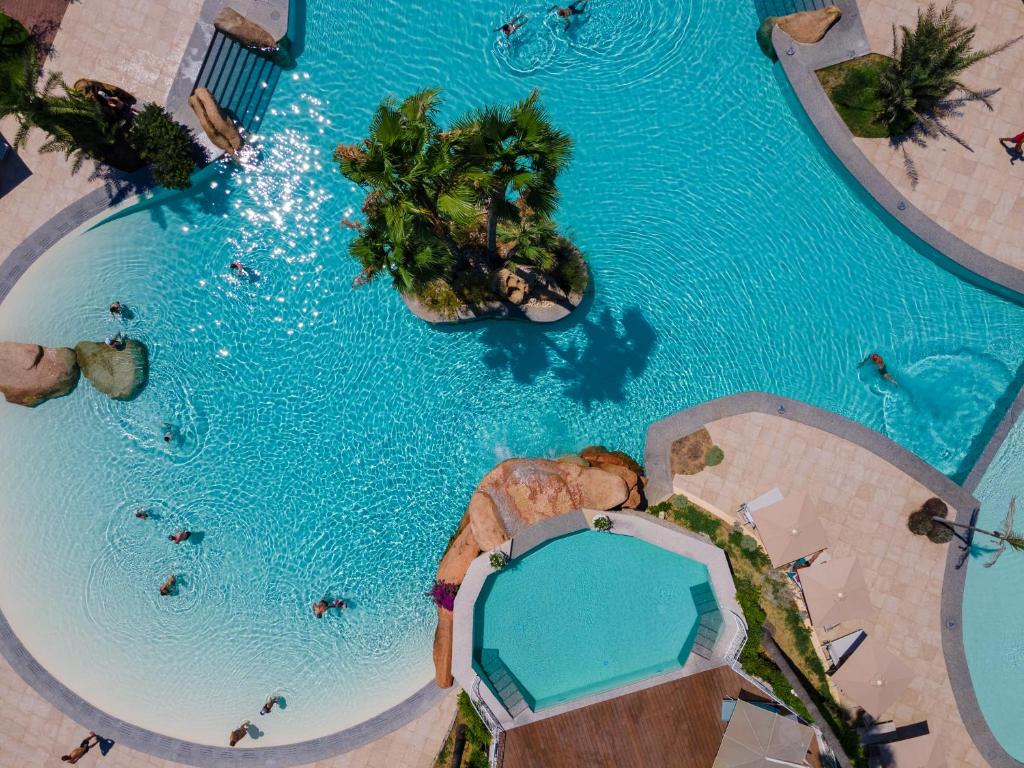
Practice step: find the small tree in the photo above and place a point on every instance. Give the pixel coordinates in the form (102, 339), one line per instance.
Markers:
(925, 70)
(168, 146)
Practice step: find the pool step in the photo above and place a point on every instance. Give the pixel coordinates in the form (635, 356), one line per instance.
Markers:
(502, 682)
(241, 80)
(711, 621)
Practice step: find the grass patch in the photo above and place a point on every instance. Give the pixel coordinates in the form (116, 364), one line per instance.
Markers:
(478, 738)
(853, 88)
(766, 600)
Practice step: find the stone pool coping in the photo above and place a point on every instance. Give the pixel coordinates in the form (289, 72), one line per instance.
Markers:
(847, 40)
(661, 434)
(638, 526)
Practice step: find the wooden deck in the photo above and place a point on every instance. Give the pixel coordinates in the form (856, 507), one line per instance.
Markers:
(675, 725)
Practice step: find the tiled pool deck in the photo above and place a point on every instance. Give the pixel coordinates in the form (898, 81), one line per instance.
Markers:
(867, 487)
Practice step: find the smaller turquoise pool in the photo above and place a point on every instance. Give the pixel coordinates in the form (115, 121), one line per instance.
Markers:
(585, 613)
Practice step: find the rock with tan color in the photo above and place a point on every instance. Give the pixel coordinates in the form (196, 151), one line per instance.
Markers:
(485, 522)
(117, 373)
(603, 490)
(31, 374)
(247, 32)
(218, 127)
(461, 553)
(634, 486)
(532, 490)
(809, 27)
(443, 649)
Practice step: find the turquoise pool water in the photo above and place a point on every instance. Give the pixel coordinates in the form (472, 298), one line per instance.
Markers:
(327, 442)
(992, 616)
(586, 613)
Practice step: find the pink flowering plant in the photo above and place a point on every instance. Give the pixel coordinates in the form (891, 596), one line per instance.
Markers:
(443, 594)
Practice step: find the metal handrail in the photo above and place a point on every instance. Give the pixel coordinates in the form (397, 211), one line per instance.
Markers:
(496, 751)
(733, 654)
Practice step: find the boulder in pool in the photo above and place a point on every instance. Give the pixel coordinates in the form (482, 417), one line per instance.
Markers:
(215, 123)
(31, 374)
(117, 373)
(245, 31)
(485, 522)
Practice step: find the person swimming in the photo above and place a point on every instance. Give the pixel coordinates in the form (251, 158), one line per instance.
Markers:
(879, 363)
(510, 26)
(238, 267)
(180, 536)
(568, 12)
(238, 734)
(169, 584)
(269, 705)
(116, 309)
(321, 607)
(168, 436)
(142, 514)
(117, 342)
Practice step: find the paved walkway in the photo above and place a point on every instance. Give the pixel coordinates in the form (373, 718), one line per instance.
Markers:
(135, 45)
(864, 504)
(979, 195)
(34, 735)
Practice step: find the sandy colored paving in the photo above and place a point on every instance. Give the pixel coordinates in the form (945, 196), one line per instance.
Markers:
(135, 44)
(34, 735)
(864, 503)
(979, 195)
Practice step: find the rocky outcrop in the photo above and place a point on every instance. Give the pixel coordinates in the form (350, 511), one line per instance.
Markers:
(809, 27)
(218, 127)
(520, 492)
(31, 374)
(463, 550)
(247, 32)
(117, 373)
(443, 649)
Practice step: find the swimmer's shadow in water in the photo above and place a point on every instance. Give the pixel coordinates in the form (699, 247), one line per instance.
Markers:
(254, 732)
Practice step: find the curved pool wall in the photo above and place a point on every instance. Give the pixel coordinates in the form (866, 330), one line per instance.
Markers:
(584, 613)
(743, 299)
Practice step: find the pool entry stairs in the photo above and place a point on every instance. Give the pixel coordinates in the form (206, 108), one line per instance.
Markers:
(241, 80)
(502, 682)
(710, 625)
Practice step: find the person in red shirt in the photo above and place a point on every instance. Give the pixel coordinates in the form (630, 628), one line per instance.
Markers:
(1017, 141)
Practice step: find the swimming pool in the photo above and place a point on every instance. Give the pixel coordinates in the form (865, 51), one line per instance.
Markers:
(993, 623)
(328, 442)
(585, 613)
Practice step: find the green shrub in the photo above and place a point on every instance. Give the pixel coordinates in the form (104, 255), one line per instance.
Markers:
(17, 57)
(920, 522)
(498, 560)
(438, 296)
(714, 456)
(602, 523)
(571, 273)
(696, 519)
(856, 97)
(168, 146)
(476, 732)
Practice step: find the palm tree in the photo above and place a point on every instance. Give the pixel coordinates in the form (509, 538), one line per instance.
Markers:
(1006, 536)
(512, 154)
(925, 68)
(530, 239)
(74, 121)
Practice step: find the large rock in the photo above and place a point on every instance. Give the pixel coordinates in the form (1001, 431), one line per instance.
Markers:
(512, 286)
(621, 464)
(218, 127)
(461, 553)
(31, 374)
(603, 490)
(809, 27)
(443, 649)
(535, 489)
(120, 374)
(485, 522)
(247, 32)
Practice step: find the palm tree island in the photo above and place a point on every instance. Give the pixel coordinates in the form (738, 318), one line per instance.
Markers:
(460, 219)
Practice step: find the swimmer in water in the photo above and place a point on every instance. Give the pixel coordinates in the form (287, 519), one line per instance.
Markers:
(510, 26)
(238, 734)
(180, 536)
(142, 514)
(879, 363)
(168, 585)
(569, 12)
(269, 705)
(168, 436)
(116, 309)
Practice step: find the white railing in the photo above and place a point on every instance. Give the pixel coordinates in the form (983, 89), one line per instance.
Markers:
(497, 732)
(733, 654)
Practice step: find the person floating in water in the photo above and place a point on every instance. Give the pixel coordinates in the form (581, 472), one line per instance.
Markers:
(117, 342)
(269, 705)
(180, 536)
(879, 363)
(569, 12)
(82, 749)
(168, 436)
(510, 26)
(321, 607)
(142, 514)
(116, 309)
(238, 267)
(238, 734)
(168, 585)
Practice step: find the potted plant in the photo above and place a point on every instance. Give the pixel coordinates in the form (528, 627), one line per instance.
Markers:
(602, 523)
(498, 559)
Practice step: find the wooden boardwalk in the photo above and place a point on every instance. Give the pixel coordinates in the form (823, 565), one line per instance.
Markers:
(675, 725)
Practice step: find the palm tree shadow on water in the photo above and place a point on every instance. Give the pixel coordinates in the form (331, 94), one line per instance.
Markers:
(595, 364)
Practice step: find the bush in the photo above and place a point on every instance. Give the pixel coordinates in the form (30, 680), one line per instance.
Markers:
(17, 56)
(935, 507)
(498, 560)
(571, 273)
(714, 456)
(168, 146)
(940, 534)
(443, 594)
(438, 296)
(920, 522)
(602, 523)
(856, 96)
(476, 732)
